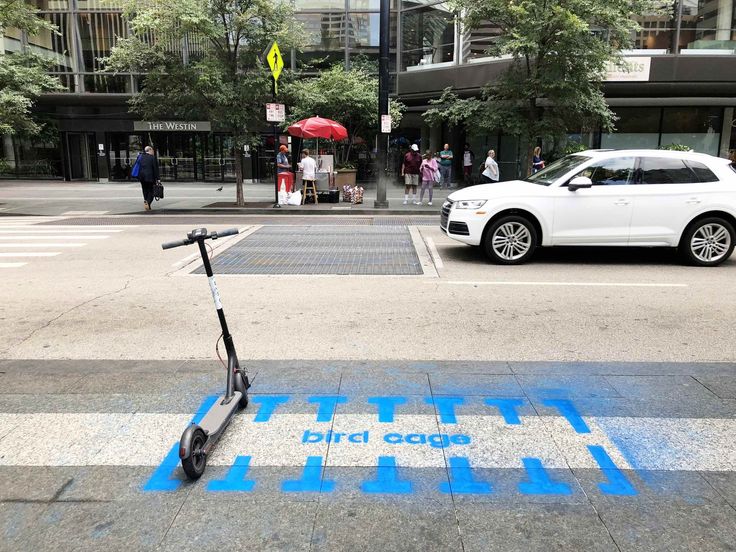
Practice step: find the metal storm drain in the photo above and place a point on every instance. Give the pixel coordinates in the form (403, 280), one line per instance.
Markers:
(379, 250)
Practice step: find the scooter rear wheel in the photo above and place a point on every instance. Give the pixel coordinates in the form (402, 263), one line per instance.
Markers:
(196, 462)
(240, 386)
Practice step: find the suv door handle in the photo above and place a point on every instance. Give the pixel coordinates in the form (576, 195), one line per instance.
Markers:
(622, 202)
(693, 201)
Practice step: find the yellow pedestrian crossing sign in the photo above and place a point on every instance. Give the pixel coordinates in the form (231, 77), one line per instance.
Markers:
(275, 61)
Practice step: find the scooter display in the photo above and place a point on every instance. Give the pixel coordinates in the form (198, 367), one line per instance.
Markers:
(198, 440)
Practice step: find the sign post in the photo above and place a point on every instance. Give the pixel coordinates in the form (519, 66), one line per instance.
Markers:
(276, 64)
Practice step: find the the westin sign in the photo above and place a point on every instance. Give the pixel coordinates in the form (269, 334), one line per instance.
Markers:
(173, 126)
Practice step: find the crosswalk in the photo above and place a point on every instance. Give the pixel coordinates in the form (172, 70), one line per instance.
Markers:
(25, 238)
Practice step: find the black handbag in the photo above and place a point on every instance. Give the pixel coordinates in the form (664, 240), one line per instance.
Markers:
(158, 191)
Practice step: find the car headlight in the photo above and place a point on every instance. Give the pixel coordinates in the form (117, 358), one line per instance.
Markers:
(470, 204)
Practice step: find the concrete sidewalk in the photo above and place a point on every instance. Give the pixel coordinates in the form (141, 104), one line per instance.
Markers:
(63, 198)
(347, 455)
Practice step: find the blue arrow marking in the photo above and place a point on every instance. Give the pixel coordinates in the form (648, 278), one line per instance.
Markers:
(311, 480)
(539, 480)
(617, 484)
(387, 480)
(268, 403)
(507, 408)
(462, 481)
(386, 407)
(569, 412)
(235, 479)
(446, 407)
(327, 404)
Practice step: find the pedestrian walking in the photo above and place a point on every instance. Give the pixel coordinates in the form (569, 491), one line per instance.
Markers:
(490, 172)
(428, 170)
(537, 161)
(148, 175)
(468, 160)
(410, 172)
(446, 166)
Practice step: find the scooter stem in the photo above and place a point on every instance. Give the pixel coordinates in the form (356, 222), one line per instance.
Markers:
(232, 359)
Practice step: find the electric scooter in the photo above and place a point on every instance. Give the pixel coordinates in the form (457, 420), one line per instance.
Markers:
(198, 439)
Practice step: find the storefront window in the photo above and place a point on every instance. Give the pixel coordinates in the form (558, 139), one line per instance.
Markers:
(427, 35)
(98, 33)
(707, 25)
(658, 29)
(696, 127)
(636, 128)
(55, 46)
(326, 36)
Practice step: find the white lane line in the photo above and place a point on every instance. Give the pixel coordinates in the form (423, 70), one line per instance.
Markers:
(4, 245)
(85, 213)
(52, 237)
(30, 254)
(435, 254)
(563, 284)
(12, 265)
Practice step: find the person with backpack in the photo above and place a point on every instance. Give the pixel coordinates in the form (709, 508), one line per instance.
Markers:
(146, 169)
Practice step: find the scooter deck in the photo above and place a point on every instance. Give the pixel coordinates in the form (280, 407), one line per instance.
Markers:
(218, 417)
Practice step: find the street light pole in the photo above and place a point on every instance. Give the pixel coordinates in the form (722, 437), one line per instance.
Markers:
(383, 84)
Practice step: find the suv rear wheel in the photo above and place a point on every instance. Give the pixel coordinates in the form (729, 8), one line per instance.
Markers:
(510, 240)
(707, 242)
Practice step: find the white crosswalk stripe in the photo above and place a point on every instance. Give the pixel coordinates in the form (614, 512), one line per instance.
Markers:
(24, 237)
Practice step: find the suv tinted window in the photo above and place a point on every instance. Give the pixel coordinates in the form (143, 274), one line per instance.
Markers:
(664, 170)
(703, 173)
(610, 172)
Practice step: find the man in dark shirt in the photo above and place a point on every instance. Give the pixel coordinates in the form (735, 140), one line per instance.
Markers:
(410, 172)
(148, 175)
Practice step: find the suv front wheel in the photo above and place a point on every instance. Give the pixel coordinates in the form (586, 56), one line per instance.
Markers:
(707, 242)
(510, 240)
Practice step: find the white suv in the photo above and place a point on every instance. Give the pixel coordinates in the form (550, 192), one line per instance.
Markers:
(651, 198)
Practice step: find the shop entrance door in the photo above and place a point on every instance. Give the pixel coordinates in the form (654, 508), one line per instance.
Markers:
(81, 162)
(218, 161)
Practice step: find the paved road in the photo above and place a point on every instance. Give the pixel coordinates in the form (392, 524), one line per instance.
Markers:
(586, 401)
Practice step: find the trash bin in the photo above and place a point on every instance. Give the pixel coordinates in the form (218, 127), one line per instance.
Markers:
(287, 178)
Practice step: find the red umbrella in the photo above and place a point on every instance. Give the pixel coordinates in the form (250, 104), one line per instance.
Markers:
(317, 127)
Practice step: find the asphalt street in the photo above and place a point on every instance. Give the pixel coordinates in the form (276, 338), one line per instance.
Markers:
(407, 395)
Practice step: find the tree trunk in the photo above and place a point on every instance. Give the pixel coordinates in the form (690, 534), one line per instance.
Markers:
(238, 157)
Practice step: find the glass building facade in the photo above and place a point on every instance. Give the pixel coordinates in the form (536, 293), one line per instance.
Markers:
(429, 50)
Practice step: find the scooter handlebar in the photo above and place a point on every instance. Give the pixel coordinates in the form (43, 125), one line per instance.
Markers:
(177, 243)
(228, 232)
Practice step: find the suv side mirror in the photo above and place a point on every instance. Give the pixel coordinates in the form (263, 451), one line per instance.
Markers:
(579, 182)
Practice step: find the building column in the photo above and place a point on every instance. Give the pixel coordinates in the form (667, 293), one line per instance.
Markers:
(425, 137)
(435, 138)
(9, 151)
(724, 20)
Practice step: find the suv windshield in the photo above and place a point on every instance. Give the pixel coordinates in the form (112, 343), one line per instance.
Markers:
(549, 174)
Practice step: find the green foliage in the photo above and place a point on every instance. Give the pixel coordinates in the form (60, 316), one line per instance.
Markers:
(676, 147)
(22, 75)
(559, 51)
(224, 80)
(348, 97)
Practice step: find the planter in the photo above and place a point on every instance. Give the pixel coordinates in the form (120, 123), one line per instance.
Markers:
(345, 176)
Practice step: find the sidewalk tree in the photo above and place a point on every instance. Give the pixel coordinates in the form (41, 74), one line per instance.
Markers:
(349, 97)
(559, 52)
(203, 60)
(23, 76)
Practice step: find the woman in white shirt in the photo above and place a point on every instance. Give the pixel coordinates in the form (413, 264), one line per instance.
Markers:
(490, 174)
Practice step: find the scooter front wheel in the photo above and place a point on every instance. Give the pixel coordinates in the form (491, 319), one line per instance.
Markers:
(196, 461)
(242, 386)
